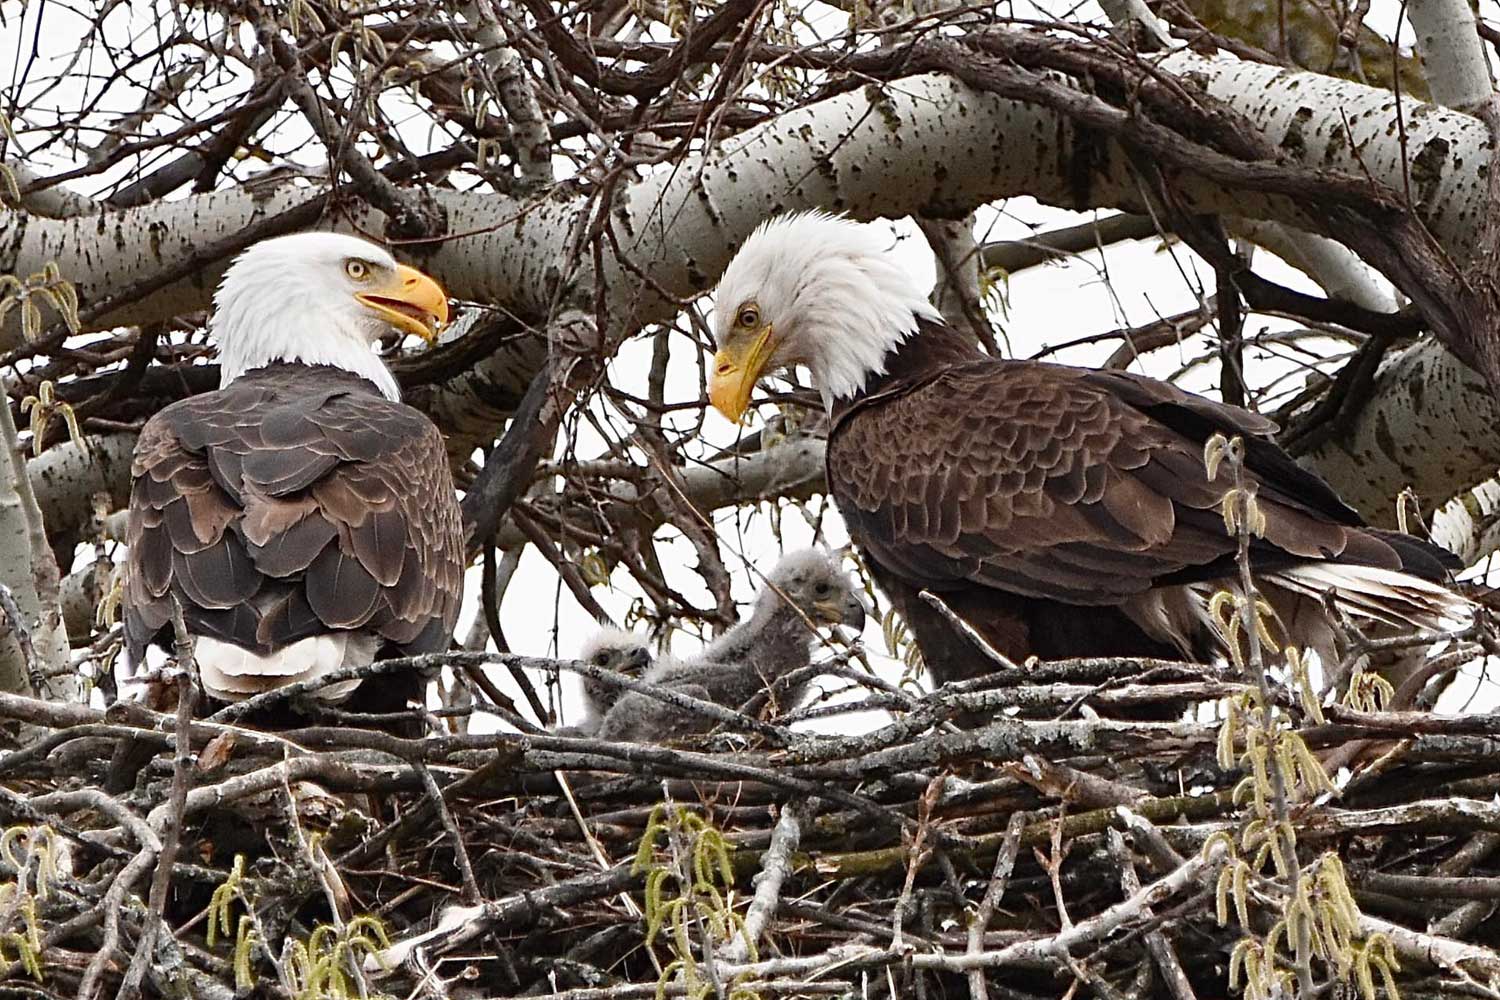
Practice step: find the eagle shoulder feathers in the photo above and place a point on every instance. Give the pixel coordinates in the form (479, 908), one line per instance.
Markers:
(1060, 511)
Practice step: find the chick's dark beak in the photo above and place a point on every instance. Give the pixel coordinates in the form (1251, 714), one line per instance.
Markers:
(638, 661)
(854, 612)
(850, 611)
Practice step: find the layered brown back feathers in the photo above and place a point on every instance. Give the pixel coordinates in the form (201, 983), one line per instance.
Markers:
(1023, 492)
(297, 501)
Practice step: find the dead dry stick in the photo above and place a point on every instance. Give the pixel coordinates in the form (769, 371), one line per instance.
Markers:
(92, 984)
(182, 758)
(1162, 952)
(1463, 919)
(597, 850)
(471, 893)
(1037, 952)
(775, 866)
(1005, 862)
(17, 622)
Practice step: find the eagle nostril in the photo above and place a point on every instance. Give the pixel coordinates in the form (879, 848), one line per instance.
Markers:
(724, 369)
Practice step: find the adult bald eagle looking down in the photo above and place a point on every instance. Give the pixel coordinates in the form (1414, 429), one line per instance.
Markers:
(1060, 511)
(302, 516)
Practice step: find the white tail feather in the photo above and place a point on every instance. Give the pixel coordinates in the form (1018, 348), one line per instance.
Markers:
(1179, 615)
(233, 673)
(1382, 595)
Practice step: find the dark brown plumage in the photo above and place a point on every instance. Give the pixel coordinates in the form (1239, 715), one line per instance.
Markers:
(297, 501)
(1021, 492)
(1059, 511)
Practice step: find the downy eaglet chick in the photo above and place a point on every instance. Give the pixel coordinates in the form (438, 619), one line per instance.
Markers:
(609, 649)
(805, 590)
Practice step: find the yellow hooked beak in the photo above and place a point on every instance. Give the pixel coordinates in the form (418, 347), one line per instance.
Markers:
(737, 367)
(411, 302)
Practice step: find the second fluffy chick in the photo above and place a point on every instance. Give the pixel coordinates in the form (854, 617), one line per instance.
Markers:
(805, 590)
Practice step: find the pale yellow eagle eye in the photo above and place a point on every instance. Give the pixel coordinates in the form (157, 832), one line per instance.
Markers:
(356, 269)
(748, 318)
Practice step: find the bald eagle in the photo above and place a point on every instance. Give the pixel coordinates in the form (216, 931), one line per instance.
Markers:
(302, 516)
(1059, 511)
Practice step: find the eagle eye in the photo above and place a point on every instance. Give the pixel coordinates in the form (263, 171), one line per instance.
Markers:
(748, 318)
(600, 659)
(356, 269)
(823, 588)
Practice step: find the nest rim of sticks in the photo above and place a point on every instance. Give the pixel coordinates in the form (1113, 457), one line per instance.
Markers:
(1101, 844)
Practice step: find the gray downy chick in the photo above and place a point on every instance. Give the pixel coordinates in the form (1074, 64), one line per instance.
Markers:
(805, 590)
(609, 649)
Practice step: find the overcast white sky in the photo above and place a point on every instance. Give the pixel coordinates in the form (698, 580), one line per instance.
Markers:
(1044, 306)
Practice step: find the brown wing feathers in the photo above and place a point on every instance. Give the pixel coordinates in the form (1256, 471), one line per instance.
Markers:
(1072, 485)
(275, 513)
(1042, 503)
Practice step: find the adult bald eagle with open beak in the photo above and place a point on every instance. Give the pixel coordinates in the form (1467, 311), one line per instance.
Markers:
(302, 515)
(1060, 511)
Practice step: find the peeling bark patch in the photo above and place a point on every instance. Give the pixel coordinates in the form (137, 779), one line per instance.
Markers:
(17, 233)
(1386, 442)
(1197, 78)
(883, 106)
(154, 234)
(1295, 140)
(1427, 169)
(1088, 159)
(823, 165)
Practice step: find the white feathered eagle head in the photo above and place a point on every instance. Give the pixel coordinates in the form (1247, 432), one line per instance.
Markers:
(321, 299)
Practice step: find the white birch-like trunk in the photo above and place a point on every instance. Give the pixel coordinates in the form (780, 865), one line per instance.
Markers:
(1430, 425)
(31, 574)
(957, 149)
(1453, 57)
(1469, 525)
(958, 290)
(1126, 12)
(15, 556)
(1336, 269)
(523, 115)
(1458, 74)
(66, 476)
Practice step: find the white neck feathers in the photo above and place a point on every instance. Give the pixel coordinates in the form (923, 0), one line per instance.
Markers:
(852, 313)
(282, 342)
